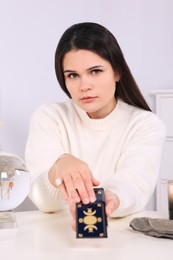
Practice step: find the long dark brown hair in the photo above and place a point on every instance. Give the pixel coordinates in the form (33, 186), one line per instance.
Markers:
(96, 38)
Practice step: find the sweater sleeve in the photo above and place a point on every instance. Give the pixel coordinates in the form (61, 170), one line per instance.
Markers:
(138, 167)
(43, 147)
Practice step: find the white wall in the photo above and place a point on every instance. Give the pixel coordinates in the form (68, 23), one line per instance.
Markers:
(30, 30)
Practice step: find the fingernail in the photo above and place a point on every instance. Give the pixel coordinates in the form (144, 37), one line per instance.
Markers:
(86, 200)
(77, 199)
(92, 199)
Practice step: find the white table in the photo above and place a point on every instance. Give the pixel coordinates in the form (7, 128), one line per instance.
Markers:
(44, 236)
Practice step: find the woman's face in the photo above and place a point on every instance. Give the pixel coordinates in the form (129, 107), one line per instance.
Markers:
(91, 82)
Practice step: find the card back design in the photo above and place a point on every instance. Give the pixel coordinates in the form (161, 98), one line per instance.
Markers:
(91, 221)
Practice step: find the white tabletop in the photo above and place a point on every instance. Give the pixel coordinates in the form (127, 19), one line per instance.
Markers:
(49, 236)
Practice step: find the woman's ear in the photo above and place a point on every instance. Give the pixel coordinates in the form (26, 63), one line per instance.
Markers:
(117, 77)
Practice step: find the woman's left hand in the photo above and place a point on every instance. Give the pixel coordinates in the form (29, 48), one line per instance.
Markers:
(112, 203)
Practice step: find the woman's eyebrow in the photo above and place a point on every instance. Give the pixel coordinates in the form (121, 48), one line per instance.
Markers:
(91, 68)
(95, 67)
(69, 71)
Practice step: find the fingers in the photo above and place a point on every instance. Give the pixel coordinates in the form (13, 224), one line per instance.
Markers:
(80, 187)
(110, 207)
(73, 224)
(112, 202)
(84, 186)
(72, 208)
(71, 188)
(63, 192)
(76, 178)
(95, 182)
(78, 190)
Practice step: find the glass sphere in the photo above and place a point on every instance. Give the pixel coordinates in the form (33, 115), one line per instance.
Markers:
(14, 181)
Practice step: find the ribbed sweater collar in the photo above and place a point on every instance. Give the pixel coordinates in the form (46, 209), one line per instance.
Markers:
(98, 124)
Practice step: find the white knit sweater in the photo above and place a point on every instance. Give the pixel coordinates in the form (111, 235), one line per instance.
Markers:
(122, 150)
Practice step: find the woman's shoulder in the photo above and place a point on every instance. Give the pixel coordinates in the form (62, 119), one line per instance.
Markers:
(142, 117)
(53, 112)
(54, 107)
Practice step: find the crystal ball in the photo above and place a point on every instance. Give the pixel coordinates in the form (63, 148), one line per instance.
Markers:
(14, 181)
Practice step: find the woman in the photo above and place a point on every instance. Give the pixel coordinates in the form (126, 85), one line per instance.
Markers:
(104, 135)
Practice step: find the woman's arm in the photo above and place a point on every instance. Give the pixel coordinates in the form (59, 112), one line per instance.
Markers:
(138, 167)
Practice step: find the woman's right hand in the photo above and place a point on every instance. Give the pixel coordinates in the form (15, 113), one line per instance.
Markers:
(77, 179)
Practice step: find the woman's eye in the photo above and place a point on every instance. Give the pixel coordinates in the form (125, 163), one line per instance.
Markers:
(72, 75)
(96, 71)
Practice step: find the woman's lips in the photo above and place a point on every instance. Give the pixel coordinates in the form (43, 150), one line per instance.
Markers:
(87, 99)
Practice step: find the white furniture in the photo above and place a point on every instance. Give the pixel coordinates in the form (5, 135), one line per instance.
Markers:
(164, 109)
(49, 236)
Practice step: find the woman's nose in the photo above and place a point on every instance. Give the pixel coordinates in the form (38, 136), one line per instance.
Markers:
(85, 85)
